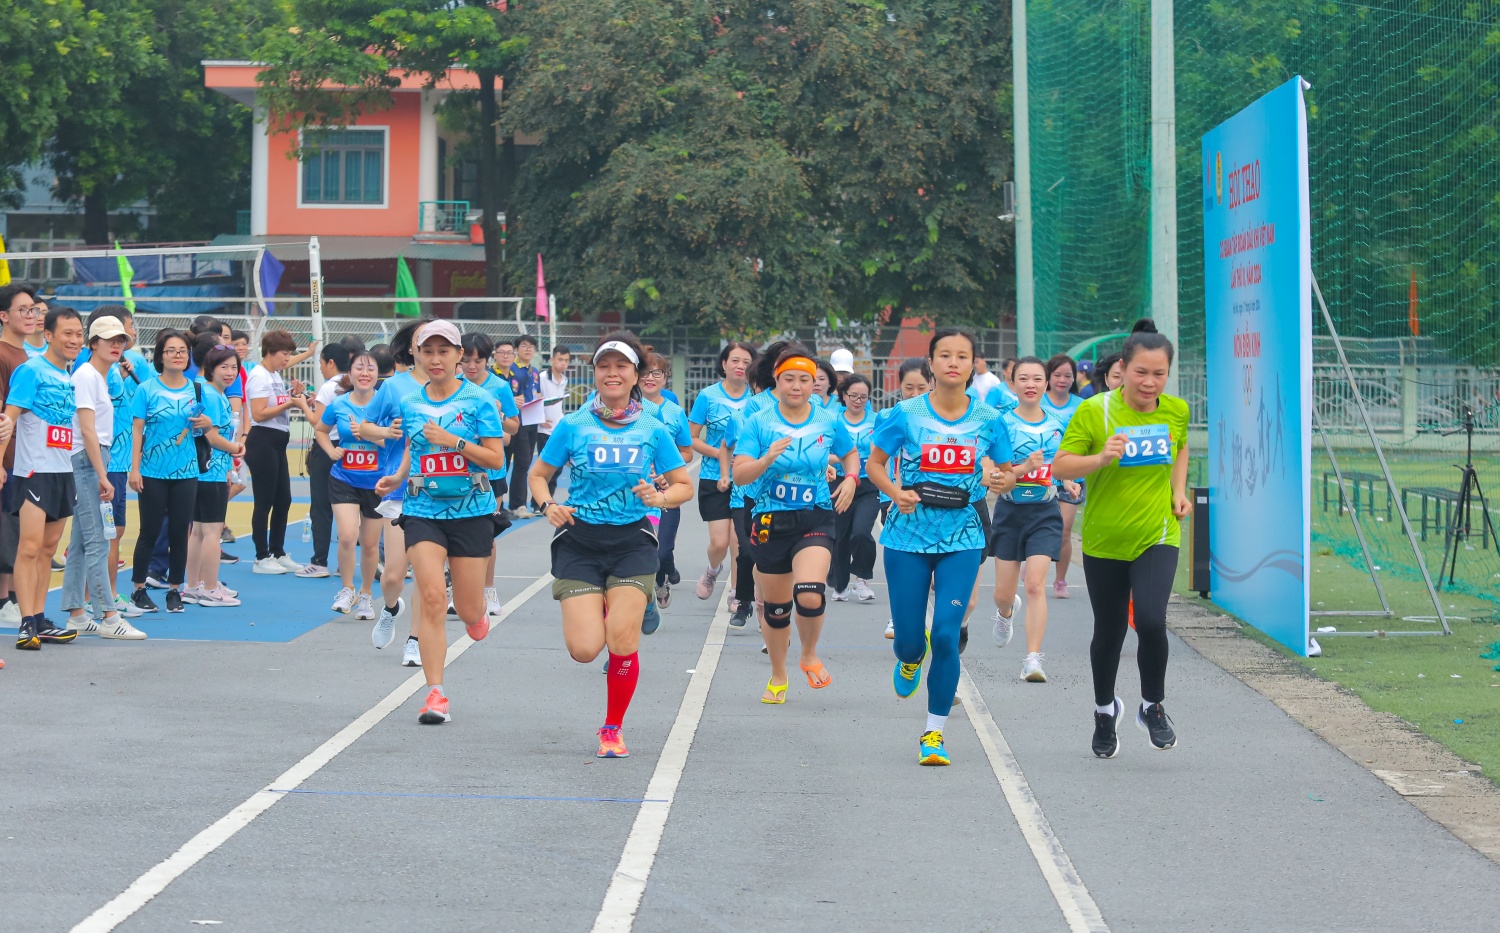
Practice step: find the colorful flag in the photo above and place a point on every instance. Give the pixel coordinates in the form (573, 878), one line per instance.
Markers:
(4, 265)
(126, 275)
(541, 290)
(268, 270)
(406, 287)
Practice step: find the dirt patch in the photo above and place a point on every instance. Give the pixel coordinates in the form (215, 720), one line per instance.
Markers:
(1448, 789)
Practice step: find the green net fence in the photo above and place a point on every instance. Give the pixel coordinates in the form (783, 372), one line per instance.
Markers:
(1404, 147)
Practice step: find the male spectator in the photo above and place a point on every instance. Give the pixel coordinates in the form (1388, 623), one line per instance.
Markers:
(334, 363)
(36, 341)
(554, 386)
(984, 380)
(17, 322)
(526, 385)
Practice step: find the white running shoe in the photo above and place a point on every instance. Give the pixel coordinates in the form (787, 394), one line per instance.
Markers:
(120, 629)
(364, 608)
(268, 565)
(862, 591)
(1004, 628)
(384, 631)
(839, 596)
(310, 571)
(192, 594)
(890, 628)
(492, 607)
(220, 596)
(411, 655)
(156, 584)
(291, 566)
(344, 601)
(83, 625)
(452, 611)
(126, 608)
(1031, 669)
(10, 615)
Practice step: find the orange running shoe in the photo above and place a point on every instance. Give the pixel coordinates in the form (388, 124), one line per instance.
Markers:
(478, 630)
(435, 710)
(610, 744)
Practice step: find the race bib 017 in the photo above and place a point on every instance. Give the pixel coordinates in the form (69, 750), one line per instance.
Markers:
(1146, 445)
(616, 458)
(449, 463)
(948, 458)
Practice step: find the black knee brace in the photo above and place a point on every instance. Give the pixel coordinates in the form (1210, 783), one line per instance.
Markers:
(818, 590)
(778, 615)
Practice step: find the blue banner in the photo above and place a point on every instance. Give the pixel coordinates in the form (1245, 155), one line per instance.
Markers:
(1257, 258)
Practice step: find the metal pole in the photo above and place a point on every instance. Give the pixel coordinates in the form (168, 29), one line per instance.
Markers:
(315, 294)
(1021, 106)
(1163, 240)
(1390, 483)
(1359, 531)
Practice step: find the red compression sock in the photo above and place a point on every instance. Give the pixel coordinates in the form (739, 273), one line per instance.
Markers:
(624, 671)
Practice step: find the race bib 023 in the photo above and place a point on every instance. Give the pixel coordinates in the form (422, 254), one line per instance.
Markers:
(948, 458)
(1146, 445)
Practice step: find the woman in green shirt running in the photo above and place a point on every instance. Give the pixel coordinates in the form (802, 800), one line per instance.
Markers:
(1131, 443)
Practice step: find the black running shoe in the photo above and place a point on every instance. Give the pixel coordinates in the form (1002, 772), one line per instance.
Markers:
(674, 577)
(141, 601)
(174, 601)
(963, 637)
(1154, 721)
(740, 618)
(49, 633)
(26, 637)
(227, 558)
(1107, 731)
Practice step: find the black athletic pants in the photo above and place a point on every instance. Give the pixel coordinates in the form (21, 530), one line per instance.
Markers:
(1112, 584)
(174, 501)
(854, 538)
(319, 470)
(744, 565)
(271, 485)
(522, 443)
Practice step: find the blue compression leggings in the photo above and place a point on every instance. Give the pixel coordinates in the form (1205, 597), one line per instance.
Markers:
(951, 578)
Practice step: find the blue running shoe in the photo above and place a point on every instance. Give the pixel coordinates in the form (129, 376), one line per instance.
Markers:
(907, 676)
(651, 621)
(930, 750)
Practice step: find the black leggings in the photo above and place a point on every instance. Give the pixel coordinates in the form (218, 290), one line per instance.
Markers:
(271, 484)
(1112, 584)
(744, 565)
(522, 444)
(173, 500)
(854, 539)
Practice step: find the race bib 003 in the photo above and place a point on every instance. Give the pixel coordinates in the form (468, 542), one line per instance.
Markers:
(948, 458)
(1146, 445)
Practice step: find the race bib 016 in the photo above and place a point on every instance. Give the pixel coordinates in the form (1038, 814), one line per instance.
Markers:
(361, 461)
(449, 463)
(787, 492)
(59, 437)
(616, 458)
(1146, 445)
(948, 458)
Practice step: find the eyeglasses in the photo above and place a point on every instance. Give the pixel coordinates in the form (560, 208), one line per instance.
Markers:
(28, 311)
(656, 374)
(175, 351)
(851, 397)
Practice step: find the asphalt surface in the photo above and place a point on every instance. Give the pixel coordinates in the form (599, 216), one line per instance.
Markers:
(808, 816)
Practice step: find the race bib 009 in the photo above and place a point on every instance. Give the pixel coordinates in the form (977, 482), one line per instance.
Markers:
(948, 458)
(361, 461)
(1146, 445)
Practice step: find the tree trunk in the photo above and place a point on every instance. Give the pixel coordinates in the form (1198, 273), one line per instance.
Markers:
(489, 193)
(96, 217)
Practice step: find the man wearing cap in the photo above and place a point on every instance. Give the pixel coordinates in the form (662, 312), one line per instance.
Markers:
(1086, 376)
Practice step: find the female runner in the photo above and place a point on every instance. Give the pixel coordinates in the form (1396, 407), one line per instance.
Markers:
(218, 369)
(712, 410)
(351, 484)
(782, 456)
(1027, 535)
(1132, 443)
(1060, 401)
(477, 352)
(854, 542)
(934, 538)
(762, 376)
(604, 559)
(914, 379)
(657, 405)
(448, 513)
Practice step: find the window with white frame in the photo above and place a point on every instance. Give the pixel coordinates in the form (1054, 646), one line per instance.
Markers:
(344, 166)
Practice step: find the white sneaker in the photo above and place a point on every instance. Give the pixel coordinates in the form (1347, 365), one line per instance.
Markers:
(384, 631)
(192, 594)
(126, 608)
(839, 596)
(411, 655)
(10, 615)
(290, 565)
(344, 601)
(83, 625)
(310, 571)
(1031, 669)
(523, 512)
(120, 629)
(862, 591)
(268, 565)
(1004, 628)
(492, 607)
(364, 608)
(890, 628)
(155, 584)
(220, 596)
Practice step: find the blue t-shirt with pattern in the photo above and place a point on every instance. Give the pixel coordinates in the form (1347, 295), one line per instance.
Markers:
(506, 399)
(471, 415)
(862, 432)
(385, 408)
(798, 478)
(1064, 412)
(216, 406)
(713, 408)
(933, 449)
(167, 450)
(670, 414)
(605, 464)
(361, 465)
(1026, 437)
(122, 389)
(44, 432)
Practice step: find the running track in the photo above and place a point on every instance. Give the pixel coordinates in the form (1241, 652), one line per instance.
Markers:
(811, 816)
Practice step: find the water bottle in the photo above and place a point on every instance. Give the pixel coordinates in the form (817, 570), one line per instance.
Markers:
(307, 529)
(194, 410)
(107, 512)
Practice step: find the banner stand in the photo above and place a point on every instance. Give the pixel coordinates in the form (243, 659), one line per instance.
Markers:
(1390, 489)
(1359, 532)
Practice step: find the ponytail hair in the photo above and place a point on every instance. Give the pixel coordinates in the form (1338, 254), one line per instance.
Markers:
(1143, 336)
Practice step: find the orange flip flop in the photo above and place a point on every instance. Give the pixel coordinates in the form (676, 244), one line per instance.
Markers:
(817, 675)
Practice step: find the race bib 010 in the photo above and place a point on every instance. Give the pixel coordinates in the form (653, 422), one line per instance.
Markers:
(948, 458)
(1146, 445)
(449, 463)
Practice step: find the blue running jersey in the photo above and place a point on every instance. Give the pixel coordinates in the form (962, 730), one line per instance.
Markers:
(167, 450)
(606, 464)
(713, 408)
(470, 414)
(798, 479)
(216, 406)
(670, 414)
(43, 438)
(1063, 413)
(934, 450)
(506, 398)
(1027, 437)
(385, 408)
(122, 389)
(862, 434)
(360, 466)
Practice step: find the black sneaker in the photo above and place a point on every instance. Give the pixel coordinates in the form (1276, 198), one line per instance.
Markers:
(26, 637)
(227, 558)
(48, 632)
(739, 618)
(674, 578)
(963, 637)
(141, 601)
(1154, 721)
(174, 601)
(226, 536)
(1107, 731)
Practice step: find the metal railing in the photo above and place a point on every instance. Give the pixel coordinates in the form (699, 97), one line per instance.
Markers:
(443, 217)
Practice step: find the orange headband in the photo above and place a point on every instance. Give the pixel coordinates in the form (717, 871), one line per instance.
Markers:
(799, 363)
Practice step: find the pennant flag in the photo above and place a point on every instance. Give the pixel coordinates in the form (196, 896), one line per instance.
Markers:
(268, 270)
(541, 290)
(1411, 307)
(406, 287)
(126, 275)
(4, 265)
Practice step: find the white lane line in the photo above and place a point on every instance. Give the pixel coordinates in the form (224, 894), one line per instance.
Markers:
(628, 885)
(153, 882)
(1073, 898)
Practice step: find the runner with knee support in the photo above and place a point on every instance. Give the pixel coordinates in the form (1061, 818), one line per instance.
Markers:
(783, 451)
(762, 378)
(947, 446)
(711, 414)
(1132, 444)
(604, 559)
(670, 414)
